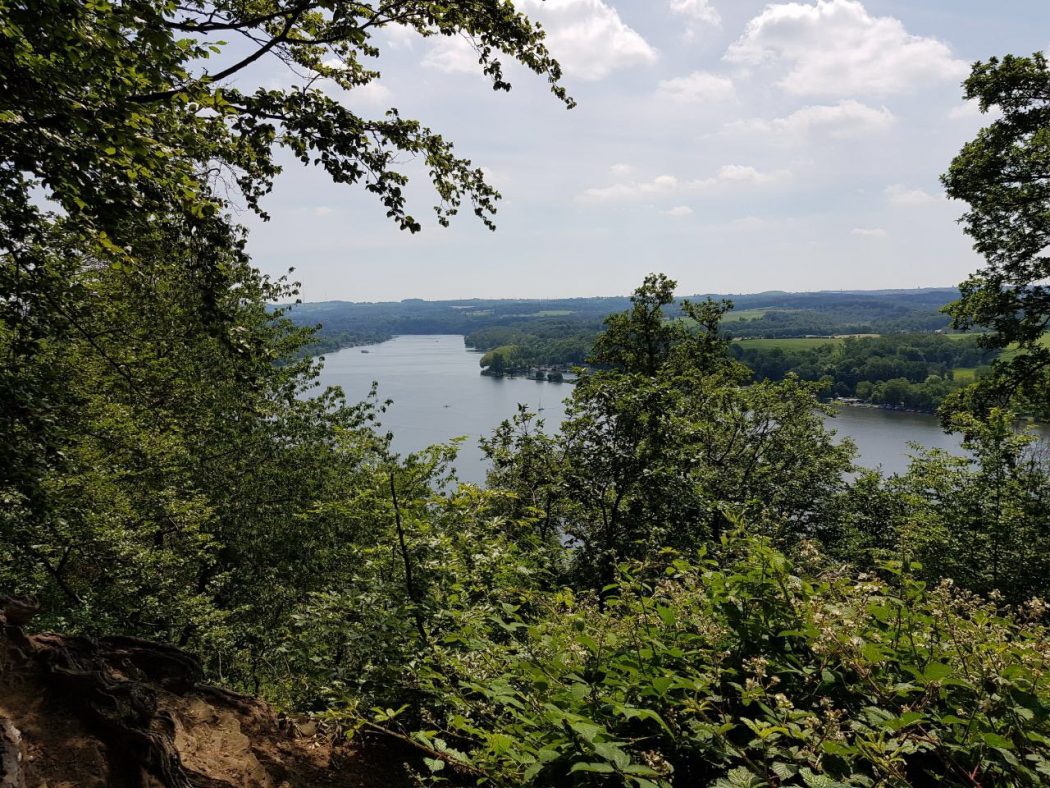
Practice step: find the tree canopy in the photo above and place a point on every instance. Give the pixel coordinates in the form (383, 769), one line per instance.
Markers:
(119, 106)
(1004, 176)
(158, 440)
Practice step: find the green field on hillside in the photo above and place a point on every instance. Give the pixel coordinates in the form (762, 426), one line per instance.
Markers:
(789, 343)
(1011, 352)
(739, 315)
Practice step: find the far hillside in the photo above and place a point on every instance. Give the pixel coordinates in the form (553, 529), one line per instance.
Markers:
(891, 348)
(766, 315)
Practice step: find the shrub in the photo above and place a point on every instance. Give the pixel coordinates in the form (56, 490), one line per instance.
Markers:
(739, 670)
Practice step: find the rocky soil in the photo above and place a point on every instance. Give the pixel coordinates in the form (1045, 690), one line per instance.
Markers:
(124, 712)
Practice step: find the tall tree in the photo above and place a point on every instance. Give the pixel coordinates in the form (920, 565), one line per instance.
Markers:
(1004, 175)
(666, 445)
(163, 470)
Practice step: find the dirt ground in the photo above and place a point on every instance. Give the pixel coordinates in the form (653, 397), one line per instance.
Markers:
(119, 712)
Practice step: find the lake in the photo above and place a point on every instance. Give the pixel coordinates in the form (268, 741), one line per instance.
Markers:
(439, 393)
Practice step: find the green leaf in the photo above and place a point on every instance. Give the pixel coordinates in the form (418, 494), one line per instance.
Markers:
(639, 769)
(936, 671)
(784, 771)
(587, 730)
(434, 764)
(500, 743)
(613, 754)
(740, 778)
(872, 652)
(997, 741)
(662, 683)
(596, 768)
(814, 780)
(666, 615)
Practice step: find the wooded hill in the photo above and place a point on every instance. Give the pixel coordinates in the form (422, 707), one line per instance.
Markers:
(769, 314)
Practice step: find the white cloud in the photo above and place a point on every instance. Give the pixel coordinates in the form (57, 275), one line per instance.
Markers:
(837, 48)
(588, 37)
(452, 55)
(668, 185)
(748, 223)
(698, 13)
(966, 111)
(737, 173)
(678, 212)
(400, 36)
(971, 111)
(698, 87)
(840, 121)
(322, 210)
(372, 94)
(621, 170)
(661, 184)
(751, 224)
(869, 232)
(697, 10)
(903, 197)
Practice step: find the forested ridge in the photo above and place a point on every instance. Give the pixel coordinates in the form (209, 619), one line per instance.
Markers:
(766, 315)
(887, 348)
(688, 583)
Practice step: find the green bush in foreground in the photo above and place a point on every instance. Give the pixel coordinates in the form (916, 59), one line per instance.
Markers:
(738, 670)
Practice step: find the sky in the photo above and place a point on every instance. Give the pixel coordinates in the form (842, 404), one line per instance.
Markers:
(736, 146)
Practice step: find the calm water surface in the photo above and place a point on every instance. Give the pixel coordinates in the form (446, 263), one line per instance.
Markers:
(439, 394)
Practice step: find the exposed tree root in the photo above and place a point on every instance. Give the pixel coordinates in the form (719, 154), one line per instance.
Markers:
(125, 712)
(11, 772)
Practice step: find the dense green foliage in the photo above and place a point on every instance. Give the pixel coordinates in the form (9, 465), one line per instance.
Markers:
(1002, 175)
(606, 614)
(834, 313)
(163, 472)
(686, 585)
(175, 463)
(979, 520)
(913, 371)
(739, 670)
(550, 343)
(416, 316)
(902, 371)
(665, 443)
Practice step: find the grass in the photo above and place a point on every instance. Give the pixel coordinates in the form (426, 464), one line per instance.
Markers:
(737, 316)
(1012, 351)
(811, 342)
(962, 337)
(790, 343)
